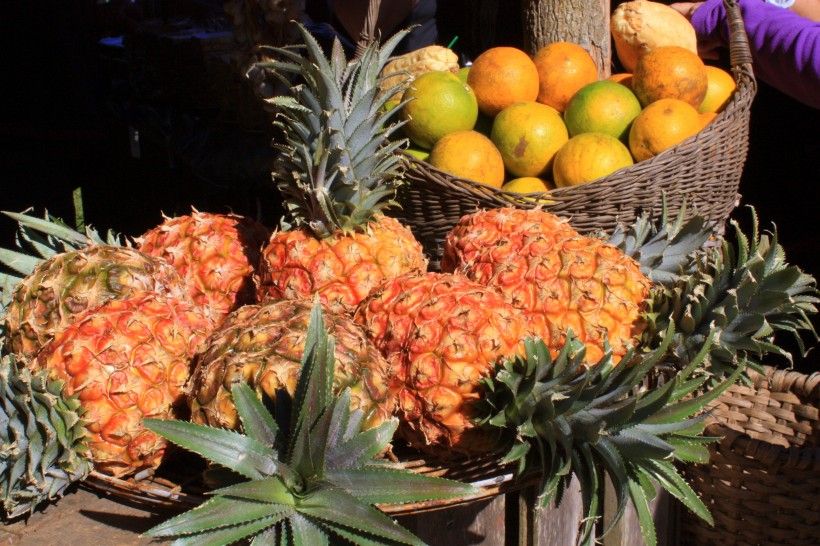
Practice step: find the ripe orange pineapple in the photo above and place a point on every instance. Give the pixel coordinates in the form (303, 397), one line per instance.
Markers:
(126, 360)
(560, 282)
(216, 255)
(441, 334)
(475, 232)
(69, 283)
(337, 173)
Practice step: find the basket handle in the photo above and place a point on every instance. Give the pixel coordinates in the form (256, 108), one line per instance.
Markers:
(369, 28)
(739, 51)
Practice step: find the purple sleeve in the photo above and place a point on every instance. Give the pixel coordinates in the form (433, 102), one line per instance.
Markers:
(785, 46)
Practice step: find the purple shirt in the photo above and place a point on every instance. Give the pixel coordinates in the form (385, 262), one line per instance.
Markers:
(785, 46)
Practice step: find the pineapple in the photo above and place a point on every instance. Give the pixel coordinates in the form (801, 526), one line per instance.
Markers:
(42, 434)
(216, 255)
(337, 173)
(124, 360)
(561, 281)
(476, 232)
(262, 345)
(68, 284)
(442, 334)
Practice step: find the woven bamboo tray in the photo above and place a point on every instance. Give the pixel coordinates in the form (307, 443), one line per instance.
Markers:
(703, 171)
(178, 485)
(762, 483)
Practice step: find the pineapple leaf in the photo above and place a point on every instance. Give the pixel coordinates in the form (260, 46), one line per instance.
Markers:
(337, 168)
(394, 486)
(240, 453)
(336, 506)
(604, 419)
(330, 491)
(226, 512)
(257, 421)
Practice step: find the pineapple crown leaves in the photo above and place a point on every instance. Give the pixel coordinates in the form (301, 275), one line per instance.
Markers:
(665, 247)
(42, 437)
(337, 167)
(747, 293)
(317, 484)
(37, 240)
(566, 419)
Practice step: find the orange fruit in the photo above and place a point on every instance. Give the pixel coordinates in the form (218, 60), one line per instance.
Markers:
(501, 76)
(527, 184)
(624, 78)
(670, 72)
(439, 103)
(661, 125)
(587, 157)
(602, 107)
(470, 155)
(528, 134)
(721, 86)
(706, 118)
(563, 69)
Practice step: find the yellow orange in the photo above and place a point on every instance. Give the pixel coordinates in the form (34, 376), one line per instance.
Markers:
(602, 107)
(721, 86)
(670, 72)
(624, 78)
(470, 155)
(530, 184)
(661, 125)
(706, 118)
(563, 69)
(587, 157)
(438, 103)
(527, 184)
(528, 134)
(501, 76)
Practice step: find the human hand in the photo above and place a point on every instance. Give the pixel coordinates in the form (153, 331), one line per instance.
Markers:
(687, 9)
(706, 49)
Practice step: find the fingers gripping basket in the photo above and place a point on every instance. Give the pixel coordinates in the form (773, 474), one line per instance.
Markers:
(762, 483)
(703, 170)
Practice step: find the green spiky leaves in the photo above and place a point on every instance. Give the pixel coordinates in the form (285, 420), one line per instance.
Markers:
(565, 419)
(337, 167)
(315, 484)
(746, 293)
(41, 439)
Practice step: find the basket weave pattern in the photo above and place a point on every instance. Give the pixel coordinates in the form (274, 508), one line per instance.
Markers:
(762, 483)
(703, 171)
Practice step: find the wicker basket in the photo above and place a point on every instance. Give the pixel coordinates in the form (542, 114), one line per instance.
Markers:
(762, 483)
(703, 170)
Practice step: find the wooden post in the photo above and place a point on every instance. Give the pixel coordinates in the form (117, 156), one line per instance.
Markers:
(665, 511)
(478, 523)
(584, 22)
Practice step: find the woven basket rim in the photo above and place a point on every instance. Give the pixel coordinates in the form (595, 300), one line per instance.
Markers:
(806, 387)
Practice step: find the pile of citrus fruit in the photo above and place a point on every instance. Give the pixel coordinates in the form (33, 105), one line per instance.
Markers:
(531, 123)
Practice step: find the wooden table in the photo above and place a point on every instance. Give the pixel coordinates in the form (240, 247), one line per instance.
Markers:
(82, 517)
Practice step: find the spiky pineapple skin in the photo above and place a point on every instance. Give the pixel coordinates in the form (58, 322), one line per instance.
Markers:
(126, 360)
(343, 268)
(71, 283)
(442, 334)
(475, 232)
(216, 255)
(562, 282)
(263, 345)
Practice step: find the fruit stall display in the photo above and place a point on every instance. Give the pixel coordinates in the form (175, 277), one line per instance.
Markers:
(332, 357)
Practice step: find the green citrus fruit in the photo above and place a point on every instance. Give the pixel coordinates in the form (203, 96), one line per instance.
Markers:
(439, 104)
(602, 107)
